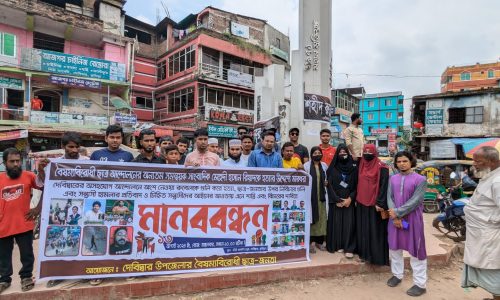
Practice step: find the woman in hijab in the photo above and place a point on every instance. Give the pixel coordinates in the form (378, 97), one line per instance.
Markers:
(371, 208)
(317, 169)
(342, 183)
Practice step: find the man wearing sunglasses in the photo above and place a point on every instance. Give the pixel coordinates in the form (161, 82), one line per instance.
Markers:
(299, 150)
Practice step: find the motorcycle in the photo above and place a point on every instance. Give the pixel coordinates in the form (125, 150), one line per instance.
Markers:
(451, 219)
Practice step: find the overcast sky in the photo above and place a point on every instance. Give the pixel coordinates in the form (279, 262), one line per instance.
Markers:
(384, 37)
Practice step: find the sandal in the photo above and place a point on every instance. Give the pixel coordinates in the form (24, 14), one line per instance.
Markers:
(95, 282)
(4, 286)
(27, 284)
(312, 250)
(349, 255)
(53, 283)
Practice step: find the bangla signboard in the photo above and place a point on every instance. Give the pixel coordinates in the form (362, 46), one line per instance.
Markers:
(385, 131)
(434, 117)
(76, 82)
(222, 131)
(317, 108)
(216, 114)
(69, 64)
(162, 219)
(13, 135)
(11, 83)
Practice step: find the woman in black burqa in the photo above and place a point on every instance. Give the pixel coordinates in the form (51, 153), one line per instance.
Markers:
(342, 175)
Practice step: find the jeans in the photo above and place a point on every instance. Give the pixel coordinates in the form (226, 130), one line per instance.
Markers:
(25, 243)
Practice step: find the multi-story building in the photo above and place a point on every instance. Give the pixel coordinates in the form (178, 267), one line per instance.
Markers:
(200, 72)
(346, 101)
(382, 116)
(64, 65)
(452, 119)
(471, 77)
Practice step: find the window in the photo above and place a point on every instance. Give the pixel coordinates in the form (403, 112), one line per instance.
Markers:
(48, 42)
(161, 71)
(142, 37)
(491, 73)
(370, 116)
(181, 61)
(7, 44)
(181, 100)
(143, 102)
(474, 115)
(388, 115)
(400, 114)
(400, 101)
(388, 102)
(370, 104)
(465, 76)
(456, 115)
(229, 99)
(278, 43)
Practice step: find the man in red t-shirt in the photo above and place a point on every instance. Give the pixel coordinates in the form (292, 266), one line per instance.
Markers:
(16, 219)
(327, 149)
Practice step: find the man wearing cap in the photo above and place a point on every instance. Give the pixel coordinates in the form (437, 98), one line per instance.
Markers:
(213, 145)
(201, 156)
(234, 160)
(299, 150)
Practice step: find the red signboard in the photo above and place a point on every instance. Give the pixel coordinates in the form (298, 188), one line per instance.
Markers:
(224, 116)
(13, 135)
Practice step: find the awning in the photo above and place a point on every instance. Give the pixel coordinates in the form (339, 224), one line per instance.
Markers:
(471, 145)
(119, 103)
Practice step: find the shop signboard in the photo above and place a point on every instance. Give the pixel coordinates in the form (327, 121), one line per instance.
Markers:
(279, 53)
(345, 119)
(13, 135)
(125, 119)
(97, 120)
(44, 117)
(222, 131)
(240, 30)
(71, 119)
(239, 78)
(11, 83)
(76, 82)
(222, 115)
(434, 117)
(443, 149)
(69, 64)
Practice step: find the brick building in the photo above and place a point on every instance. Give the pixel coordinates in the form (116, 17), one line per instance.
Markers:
(471, 77)
(200, 72)
(64, 65)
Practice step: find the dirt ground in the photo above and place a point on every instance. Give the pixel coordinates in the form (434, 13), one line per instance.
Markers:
(444, 283)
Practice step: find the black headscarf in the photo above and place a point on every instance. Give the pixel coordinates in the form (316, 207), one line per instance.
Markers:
(346, 167)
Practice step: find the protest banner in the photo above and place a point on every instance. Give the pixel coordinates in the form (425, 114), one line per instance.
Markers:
(106, 219)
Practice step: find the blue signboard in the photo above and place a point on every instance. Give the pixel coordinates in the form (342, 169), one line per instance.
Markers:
(222, 131)
(75, 65)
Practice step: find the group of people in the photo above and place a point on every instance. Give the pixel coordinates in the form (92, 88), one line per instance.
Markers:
(355, 206)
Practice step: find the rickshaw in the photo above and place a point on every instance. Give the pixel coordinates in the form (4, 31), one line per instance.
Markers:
(439, 182)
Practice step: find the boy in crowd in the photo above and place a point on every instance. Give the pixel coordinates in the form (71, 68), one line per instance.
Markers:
(172, 155)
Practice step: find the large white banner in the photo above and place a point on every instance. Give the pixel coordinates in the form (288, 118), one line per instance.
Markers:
(103, 219)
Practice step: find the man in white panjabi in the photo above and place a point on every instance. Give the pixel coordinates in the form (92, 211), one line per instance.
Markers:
(482, 216)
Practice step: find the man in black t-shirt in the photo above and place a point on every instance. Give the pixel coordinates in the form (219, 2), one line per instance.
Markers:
(300, 150)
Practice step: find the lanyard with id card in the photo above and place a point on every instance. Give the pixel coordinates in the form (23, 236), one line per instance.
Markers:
(343, 183)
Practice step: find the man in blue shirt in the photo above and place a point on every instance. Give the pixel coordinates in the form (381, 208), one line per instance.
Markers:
(114, 138)
(266, 157)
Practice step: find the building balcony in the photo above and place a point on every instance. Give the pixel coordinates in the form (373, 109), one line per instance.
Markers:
(11, 115)
(226, 76)
(68, 119)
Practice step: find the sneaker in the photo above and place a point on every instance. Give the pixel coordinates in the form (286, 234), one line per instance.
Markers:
(416, 291)
(95, 282)
(349, 255)
(393, 281)
(53, 283)
(4, 286)
(340, 251)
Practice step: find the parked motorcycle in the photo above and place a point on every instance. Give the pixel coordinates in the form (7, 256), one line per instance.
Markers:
(451, 219)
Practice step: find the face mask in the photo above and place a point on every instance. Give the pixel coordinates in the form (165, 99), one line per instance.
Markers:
(317, 157)
(343, 157)
(368, 157)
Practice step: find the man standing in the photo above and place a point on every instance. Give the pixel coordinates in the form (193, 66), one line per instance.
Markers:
(17, 219)
(354, 137)
(482, 216)
(242, 130)
(290, 161)
(71, 142)
(327, 149)
(405, 197)
(148, 142)
(299, 150)
(114, 138)
(247, 146)
(182, 146)
(266, 157)
(234, 160)
(201, 156)
(213, 145)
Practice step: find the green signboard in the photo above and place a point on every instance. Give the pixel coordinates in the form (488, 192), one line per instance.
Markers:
(434, 117)
(11, 83)
(69, 64)
(222, 131)
(278, 52)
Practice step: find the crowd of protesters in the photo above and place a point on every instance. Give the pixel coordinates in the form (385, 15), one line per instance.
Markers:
(357, 208)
